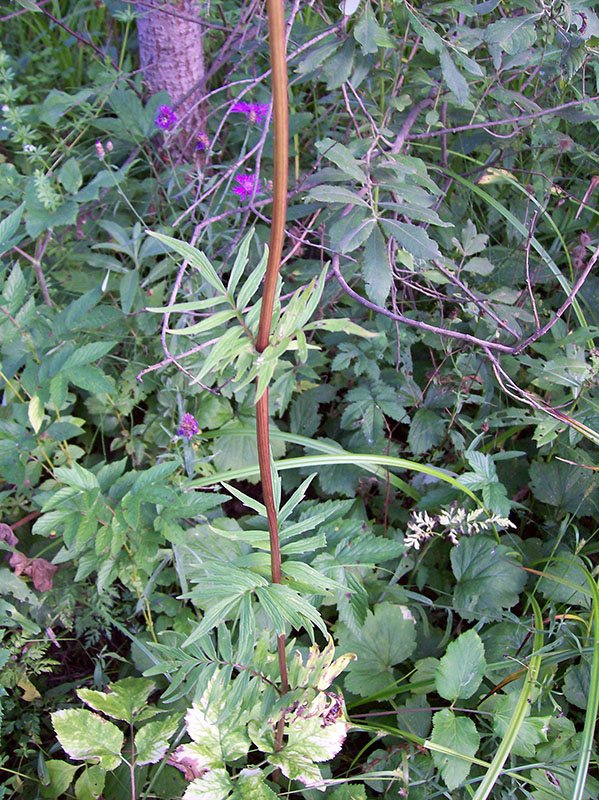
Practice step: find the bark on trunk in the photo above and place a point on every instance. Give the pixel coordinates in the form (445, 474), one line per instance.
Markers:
(171, 55)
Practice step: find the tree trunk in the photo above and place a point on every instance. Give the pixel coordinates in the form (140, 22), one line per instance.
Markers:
(171, 54)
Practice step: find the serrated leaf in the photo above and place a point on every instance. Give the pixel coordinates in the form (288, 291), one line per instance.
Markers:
(458, 734)
(88, 353)
(315, 740)
(124, 699)
(462, 668)
(387, 637)
(250, 785)
(91, 379)
(427, 430)
(567, 487)
(88, 737)
(221, 736)
(487, 577)
(413, 239)
(214, 785)
(152, 741)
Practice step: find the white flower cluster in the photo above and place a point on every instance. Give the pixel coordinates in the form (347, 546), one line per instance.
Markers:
(452, 523)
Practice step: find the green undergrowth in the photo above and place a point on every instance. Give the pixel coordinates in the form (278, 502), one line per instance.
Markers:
(436, 495)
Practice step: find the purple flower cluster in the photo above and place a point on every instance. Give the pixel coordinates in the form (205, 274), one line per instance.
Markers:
(255, 112)
(165, 118)
(203, 141)
(248, 185)
(189, 426)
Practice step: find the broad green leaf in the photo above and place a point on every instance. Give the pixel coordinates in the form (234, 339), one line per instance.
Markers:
(487, 577)
(124, 700)
(128, 286)
(70, 175)
(454, 78)
(531, 732)
(431, 40)
(427, 430)
(369, 34)
(569, 567)
(88, 737)
(349, 791)
(77, 477)
(90, 784)
(35, 412)
(577, 683)
(215, 784)
(387, 637)
(479, 265)
(376, 268)
(565, 486)
(460, 735)
(61, 774)
(513, 34)
(316, 57)
(152, 741)
(336, 194)
(14, 289)
(343, 158)
(8, 228)
(91, 379)
(338, 68)
(461, 669)
(413, 239)
(88, 353)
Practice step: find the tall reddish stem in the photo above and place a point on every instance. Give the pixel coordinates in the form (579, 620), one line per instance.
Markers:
(276, 28)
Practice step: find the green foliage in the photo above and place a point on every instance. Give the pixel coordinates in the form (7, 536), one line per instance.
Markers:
(444, 154)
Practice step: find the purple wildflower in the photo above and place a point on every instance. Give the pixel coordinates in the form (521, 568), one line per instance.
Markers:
(203, 141)
(248, 185)
(255, 112)
(189, 426)
(99, 149)
(165, 118)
